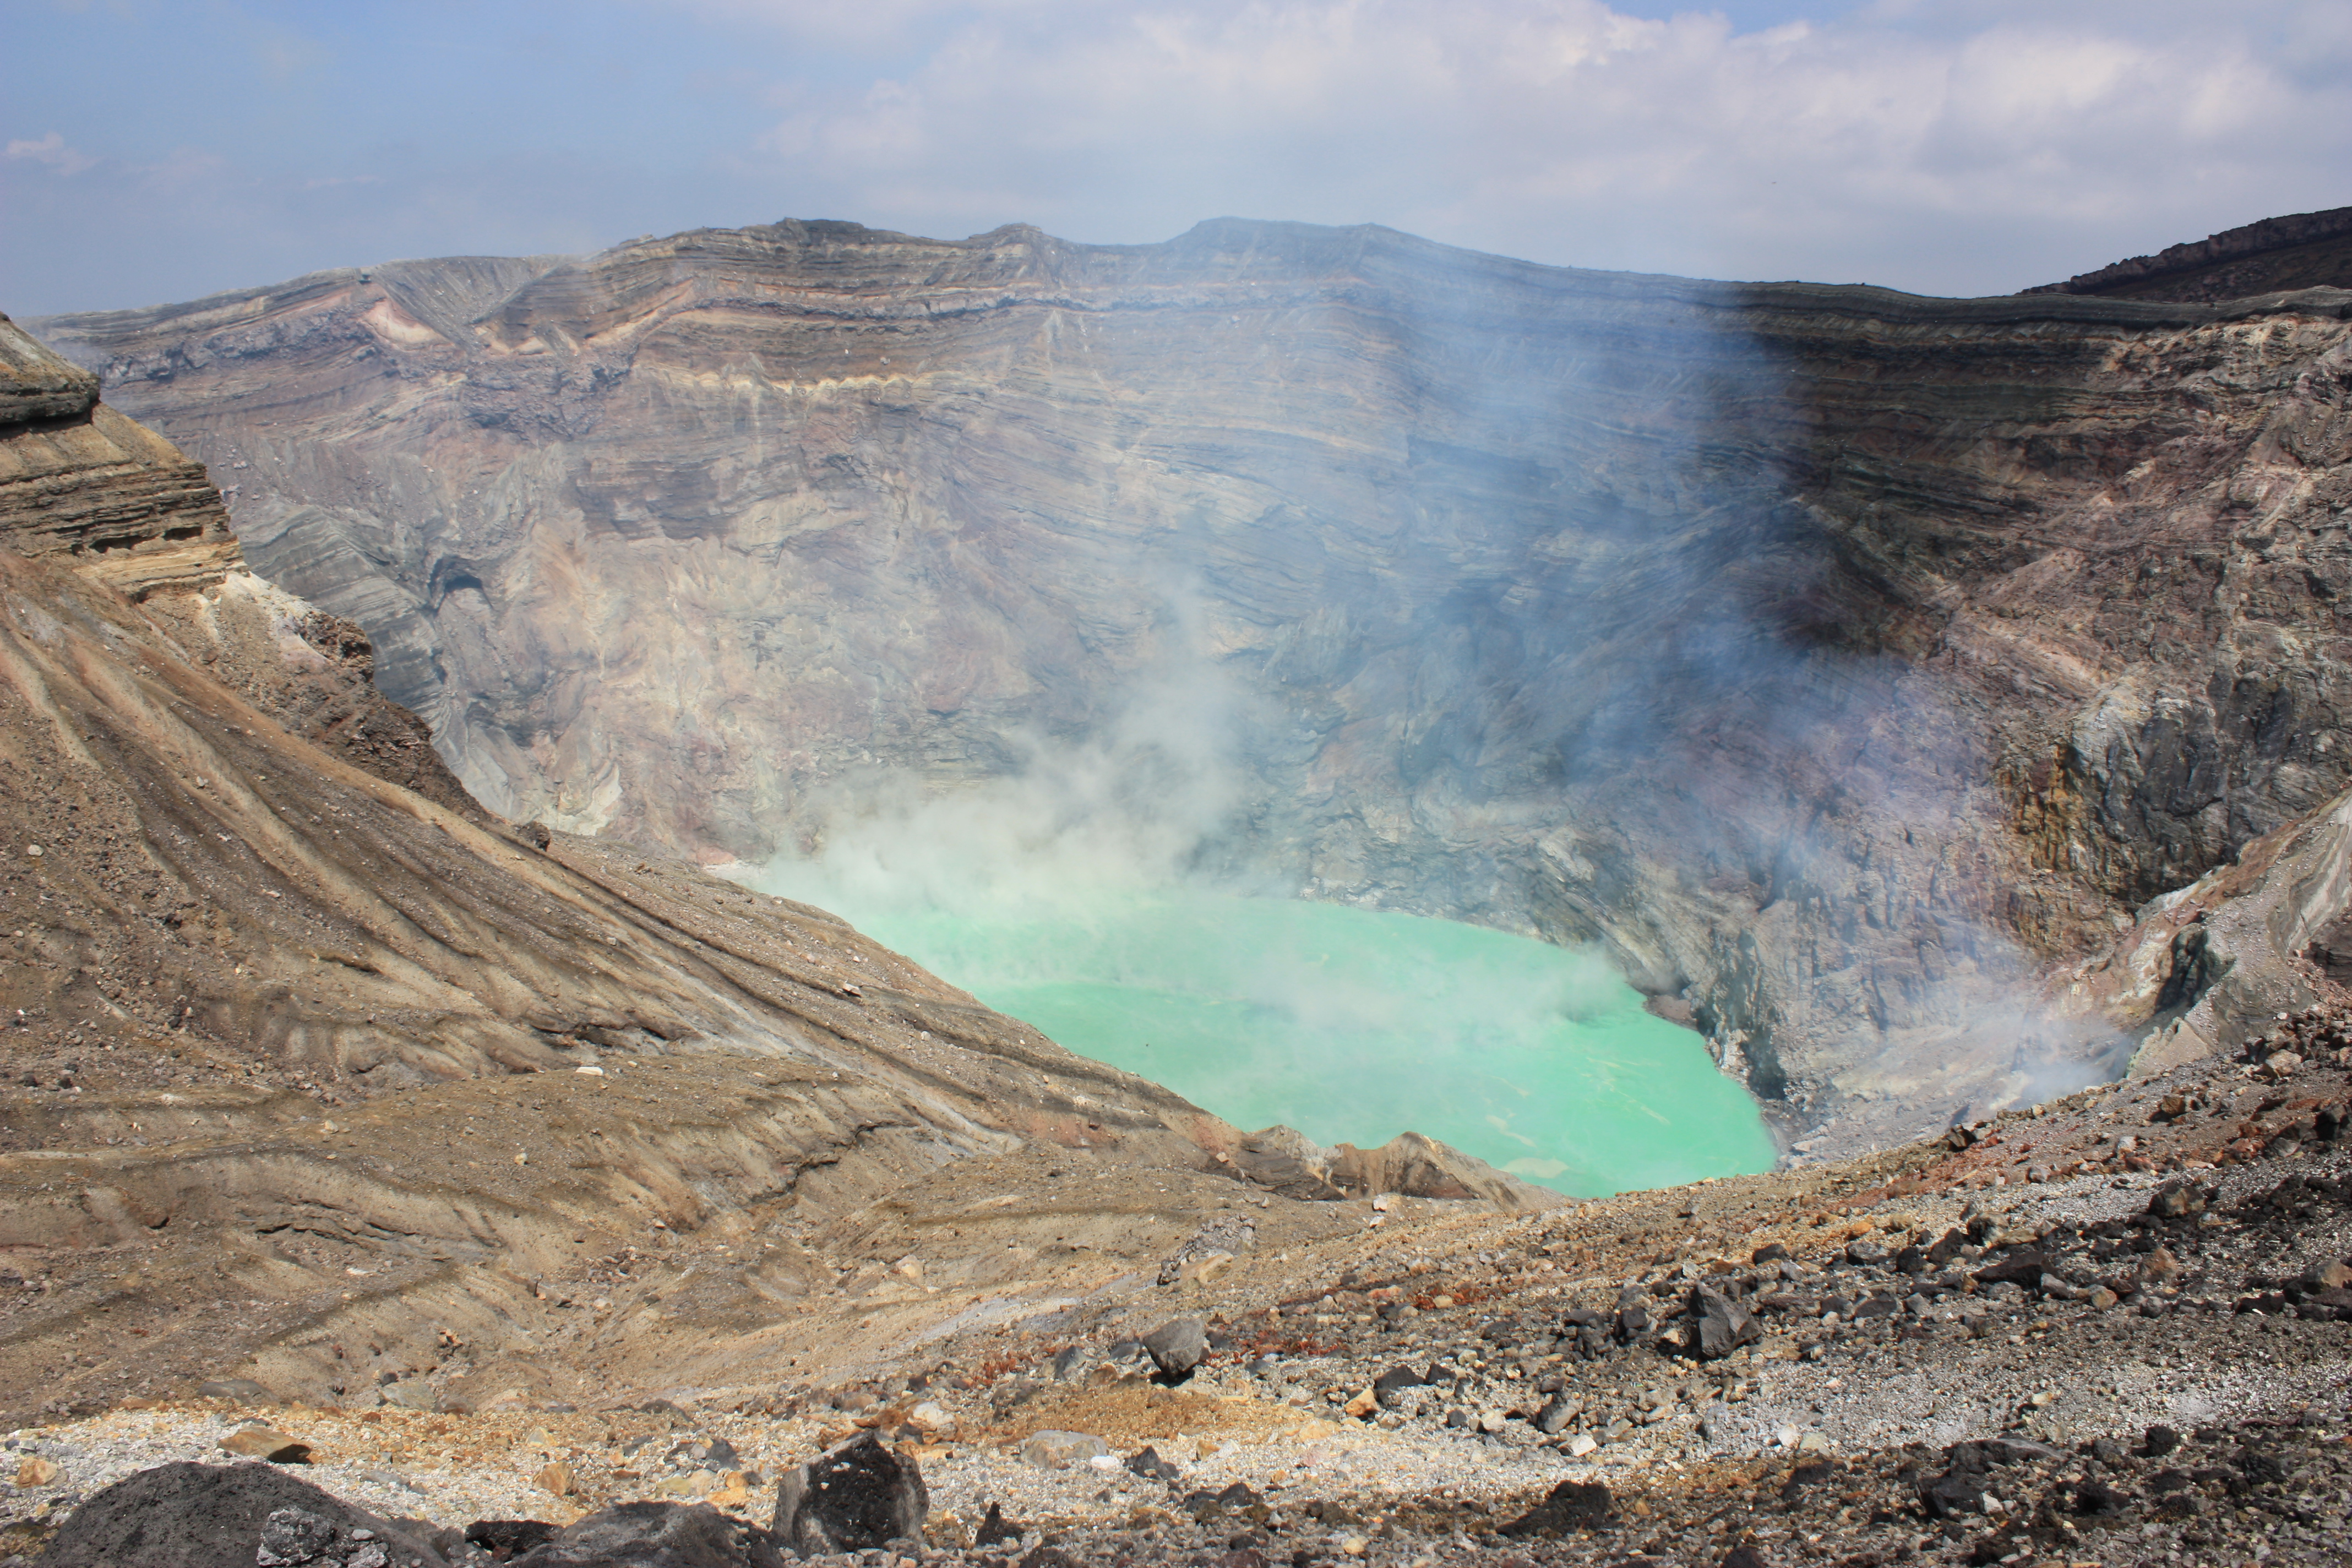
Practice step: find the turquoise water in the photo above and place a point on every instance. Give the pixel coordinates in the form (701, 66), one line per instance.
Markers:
(1349, 1024)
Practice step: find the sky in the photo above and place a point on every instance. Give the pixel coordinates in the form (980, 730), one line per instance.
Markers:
(160, 150)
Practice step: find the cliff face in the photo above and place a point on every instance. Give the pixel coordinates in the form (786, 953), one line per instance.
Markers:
(283, 1009)
(1842, 660)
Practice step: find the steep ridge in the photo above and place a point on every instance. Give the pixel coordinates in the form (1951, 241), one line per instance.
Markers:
(2303, 251)
(1843, 661)
(306, 1051)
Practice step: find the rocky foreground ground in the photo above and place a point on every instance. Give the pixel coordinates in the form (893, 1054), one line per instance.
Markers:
(2114, 1328)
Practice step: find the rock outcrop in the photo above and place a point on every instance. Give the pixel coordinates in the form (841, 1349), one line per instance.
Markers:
(2303, 251)
(1842, 660)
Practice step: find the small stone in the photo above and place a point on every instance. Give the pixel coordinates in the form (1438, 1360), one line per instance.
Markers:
(36, 1472)
(931, 1418)
(1147, 1464)
(266, 1443)
(556, 1479)
(292, 1536)
(2101, 1299)
(1364, 1405)
(2331, 1275)
(1865, 1253)
(1490, 1421)
(1060, 1450)
(1581, 1444)
(412, 1393)
(1770, 1252)
(2024, 1267)
(2280, 1065)
(1177, 1346)
(2159, 1441)
(1787, 1436)
(1354, 1546)
(1812, 1443)
(1392, 1382)
(1556, 1413)
(242, 1389)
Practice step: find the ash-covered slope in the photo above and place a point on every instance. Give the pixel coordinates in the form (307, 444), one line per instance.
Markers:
(311, 1064)
(1840, 659)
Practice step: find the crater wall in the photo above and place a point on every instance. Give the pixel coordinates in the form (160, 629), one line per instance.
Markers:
(1848, 663)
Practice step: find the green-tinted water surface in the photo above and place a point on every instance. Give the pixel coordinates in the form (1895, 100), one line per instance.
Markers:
(1352, 1024)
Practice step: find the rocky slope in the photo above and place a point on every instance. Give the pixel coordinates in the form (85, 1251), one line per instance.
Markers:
(2108, 1329)
(2306, 250)
(314, 1068)
(1842, 660)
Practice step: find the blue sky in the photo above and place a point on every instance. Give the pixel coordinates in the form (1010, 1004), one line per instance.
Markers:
(158, 151)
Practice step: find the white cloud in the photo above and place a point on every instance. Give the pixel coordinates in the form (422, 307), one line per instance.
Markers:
(1962, 146)
(53, 151)
(1952, 149)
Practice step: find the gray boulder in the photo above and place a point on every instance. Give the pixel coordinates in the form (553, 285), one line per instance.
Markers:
(1177, 1345)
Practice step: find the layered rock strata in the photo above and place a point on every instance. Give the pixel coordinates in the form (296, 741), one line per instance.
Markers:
(1840, 659)
(312, 1064)
(2303, 251)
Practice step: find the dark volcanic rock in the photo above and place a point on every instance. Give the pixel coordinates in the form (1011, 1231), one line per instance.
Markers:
(655, 1535)
(1716, 1325)
(506, 1538)
(205, 1516)
(2024, 1266)
(1145, 1462)
(858, 1496)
